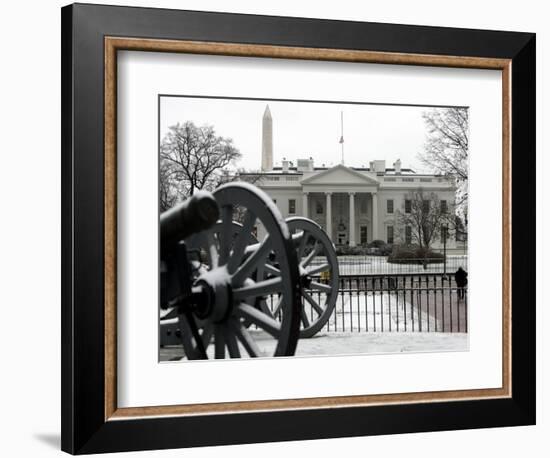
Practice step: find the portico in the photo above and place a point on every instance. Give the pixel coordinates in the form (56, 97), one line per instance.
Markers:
(345, 215)
(341, 201)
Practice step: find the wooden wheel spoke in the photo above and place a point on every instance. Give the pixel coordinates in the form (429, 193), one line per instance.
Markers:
(320, 287)
(257, 289)
(241, 242)
(272, 269)
(226, 233)
(307, 260)
(231, 342)
(317, 269)
(258, 318)
(206, 335)
(211, 249)
(302, 245)
(190, 338)
(249, 265)
(219, 342)
(312, 302)
(278, 307)
(296, 238)
(246, 339)
(265, 309)
(186, 336)
(304, 318)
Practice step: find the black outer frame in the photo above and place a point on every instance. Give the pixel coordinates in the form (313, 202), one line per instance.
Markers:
(84, 429)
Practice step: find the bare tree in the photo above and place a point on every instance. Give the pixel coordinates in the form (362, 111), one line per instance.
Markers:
(446, 148)
(424, 214)
(192, 158)
(241, 174)
(168, 187)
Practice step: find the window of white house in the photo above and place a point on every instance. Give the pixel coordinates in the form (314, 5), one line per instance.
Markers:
(408, 235)
(291, 206)
(364, 206)
(389, 234)
(318, 207)
(363, 235)
(389, 206)
(408, 205)
(443, 207)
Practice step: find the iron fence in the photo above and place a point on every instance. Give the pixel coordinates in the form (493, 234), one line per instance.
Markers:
(397, 303)
(378, 265)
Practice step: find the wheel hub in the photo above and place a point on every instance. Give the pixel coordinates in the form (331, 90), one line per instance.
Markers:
(215, 301)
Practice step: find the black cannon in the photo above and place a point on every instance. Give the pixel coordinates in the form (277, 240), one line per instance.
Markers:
(224, 293)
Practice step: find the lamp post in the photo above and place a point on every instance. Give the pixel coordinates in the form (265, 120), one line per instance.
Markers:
(444, 230)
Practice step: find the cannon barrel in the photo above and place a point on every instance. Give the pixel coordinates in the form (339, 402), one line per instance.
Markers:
(196, 214)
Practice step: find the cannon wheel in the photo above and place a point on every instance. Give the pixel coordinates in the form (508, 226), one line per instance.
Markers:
(233, 261)
(319, 295)
(198, 256)
(319, 275)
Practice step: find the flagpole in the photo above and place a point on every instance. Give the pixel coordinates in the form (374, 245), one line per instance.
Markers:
(342, 136)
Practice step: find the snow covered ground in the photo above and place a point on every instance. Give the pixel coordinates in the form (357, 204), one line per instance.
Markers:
(365, 323)
(340, 343)
(377, 265)
(358, 312)
(346, 343)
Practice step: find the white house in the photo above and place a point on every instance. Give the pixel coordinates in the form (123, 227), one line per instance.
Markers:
(353, 205)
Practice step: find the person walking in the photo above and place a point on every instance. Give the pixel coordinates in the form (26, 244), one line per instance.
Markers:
(461, 279)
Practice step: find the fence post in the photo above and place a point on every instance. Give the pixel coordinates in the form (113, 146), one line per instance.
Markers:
(451, 304)
(358, 304)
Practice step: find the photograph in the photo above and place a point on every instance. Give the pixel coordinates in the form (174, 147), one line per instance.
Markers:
(311, 228)
(271, 220)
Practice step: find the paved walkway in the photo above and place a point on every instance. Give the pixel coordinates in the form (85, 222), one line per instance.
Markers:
(340, 343)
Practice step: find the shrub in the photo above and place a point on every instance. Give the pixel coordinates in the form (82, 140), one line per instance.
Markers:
(386, 249)
(350, 250)
(376, 244)
(413, 254)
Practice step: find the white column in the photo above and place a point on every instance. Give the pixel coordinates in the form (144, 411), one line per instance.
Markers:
(304, 205)
(329, 215)
(374, 216)
(351, 219)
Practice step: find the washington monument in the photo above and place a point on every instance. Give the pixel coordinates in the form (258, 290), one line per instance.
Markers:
(267, 141)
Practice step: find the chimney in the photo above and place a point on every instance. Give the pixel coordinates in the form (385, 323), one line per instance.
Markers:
(305, 165)
(285, 165)
(378, 166)
(397, 166)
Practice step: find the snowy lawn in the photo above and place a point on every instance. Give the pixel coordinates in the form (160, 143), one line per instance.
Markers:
(346, 343)
(377, 265)
(340, 343)
(336, 343)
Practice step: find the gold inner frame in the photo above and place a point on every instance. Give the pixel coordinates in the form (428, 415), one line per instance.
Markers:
(114, 44)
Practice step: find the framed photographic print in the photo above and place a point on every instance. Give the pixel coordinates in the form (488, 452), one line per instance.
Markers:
(272, 221)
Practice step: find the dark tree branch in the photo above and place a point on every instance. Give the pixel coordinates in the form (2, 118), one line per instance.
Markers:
(191, 158)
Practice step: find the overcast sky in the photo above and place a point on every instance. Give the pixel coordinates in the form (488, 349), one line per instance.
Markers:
(304, 129)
